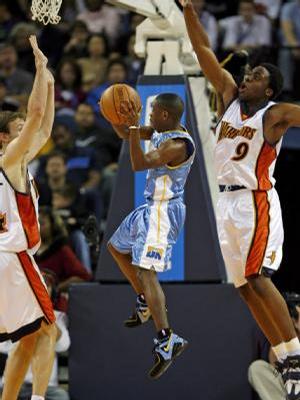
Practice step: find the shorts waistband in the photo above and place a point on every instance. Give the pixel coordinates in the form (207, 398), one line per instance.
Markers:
(230, 188)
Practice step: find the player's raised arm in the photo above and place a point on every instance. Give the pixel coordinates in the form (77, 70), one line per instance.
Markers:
(35, 109)
(171, 152)
(221, 79)
(44, 133)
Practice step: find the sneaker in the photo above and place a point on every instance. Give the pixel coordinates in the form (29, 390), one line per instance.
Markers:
(141, 315)
(164, 352)
(290, 371)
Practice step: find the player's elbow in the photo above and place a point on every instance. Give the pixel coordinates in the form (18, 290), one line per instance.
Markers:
(136, 167)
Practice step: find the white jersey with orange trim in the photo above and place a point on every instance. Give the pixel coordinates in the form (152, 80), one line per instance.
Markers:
(19, 226)
(242, 155)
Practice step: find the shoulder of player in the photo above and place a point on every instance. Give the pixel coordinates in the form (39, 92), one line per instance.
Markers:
(279, 113)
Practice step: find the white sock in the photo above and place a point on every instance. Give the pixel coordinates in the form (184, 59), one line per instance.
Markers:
(35, 397)
(293, 347)
(280, 351)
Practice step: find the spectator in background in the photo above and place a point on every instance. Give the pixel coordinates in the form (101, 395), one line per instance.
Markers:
(6, 103)
(94, 66)
(289, 59)
(262, 375)
(208, 21)
(76, 47)
(19, 38)
(55, 254)
(88, 134)
(269, 8)
(56, 177)
(54, 391)
(68, 92)
(18, 82)
(7, 20)
(100, 17)
(116, 73)
(83, 166)
(246, 30)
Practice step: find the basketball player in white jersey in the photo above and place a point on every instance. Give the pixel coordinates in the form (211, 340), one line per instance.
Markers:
(26, 313)
(249, 137)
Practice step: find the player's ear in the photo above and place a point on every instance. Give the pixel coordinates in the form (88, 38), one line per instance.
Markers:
(165, 114)
(269, 92)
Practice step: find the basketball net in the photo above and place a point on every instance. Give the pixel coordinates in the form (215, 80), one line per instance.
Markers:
(46, 11)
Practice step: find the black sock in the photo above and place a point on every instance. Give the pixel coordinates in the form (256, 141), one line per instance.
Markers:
(164, 333)
(141, 298)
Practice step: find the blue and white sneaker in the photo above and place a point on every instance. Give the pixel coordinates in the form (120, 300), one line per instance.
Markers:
(140, 315)
(164, 352)
(290, 371)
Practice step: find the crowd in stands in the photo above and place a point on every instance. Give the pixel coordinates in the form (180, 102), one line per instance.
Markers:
(89, 50)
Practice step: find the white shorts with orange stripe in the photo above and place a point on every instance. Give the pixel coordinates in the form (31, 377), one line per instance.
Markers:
(250, 232)
(24, 299)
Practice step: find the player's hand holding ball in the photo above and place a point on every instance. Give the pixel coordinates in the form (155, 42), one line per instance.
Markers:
(120, 104)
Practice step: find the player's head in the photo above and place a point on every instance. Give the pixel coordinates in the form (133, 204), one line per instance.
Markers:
(263, 82)
(11, 124)
(167, 110)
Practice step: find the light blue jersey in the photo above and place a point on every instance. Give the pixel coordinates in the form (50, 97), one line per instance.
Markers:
(150, 231)
(167, 183)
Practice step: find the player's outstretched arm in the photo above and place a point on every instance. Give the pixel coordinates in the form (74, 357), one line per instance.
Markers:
(45, 130)
(35, 109)
(221, 79)
(279, 118)
(171, 152)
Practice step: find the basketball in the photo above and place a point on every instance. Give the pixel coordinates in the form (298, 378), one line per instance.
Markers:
(112, 99)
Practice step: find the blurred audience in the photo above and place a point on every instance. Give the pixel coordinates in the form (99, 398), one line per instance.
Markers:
(96, 16)
(208, 21)
(88, 134)
(247, 30)
(55, 254)
(76, 47)
(19, 38)
(68, 91)
(18, 81)
(289, 58)
(94, 66)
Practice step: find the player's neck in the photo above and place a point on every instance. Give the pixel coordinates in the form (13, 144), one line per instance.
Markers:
(178, 127)
(250, 108)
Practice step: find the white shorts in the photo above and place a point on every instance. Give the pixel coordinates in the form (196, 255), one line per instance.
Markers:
(250, 232)
(24, 299)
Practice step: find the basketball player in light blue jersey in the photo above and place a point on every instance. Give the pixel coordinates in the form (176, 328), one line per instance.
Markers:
(142, 245)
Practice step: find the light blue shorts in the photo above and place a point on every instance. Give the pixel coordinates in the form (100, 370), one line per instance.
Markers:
(149, 232)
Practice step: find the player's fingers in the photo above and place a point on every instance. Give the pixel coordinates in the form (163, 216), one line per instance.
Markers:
(124, 107)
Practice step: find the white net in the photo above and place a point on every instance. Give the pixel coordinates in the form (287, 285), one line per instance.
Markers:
(46, 11)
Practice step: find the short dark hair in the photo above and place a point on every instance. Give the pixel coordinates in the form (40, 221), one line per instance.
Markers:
(8, 116)
(292, 300)
(275, 79)
(172, 103)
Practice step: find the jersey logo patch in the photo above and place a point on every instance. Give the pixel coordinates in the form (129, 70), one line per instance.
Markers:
(154, 252)
(3, 223)
(272, 257)
(229, 132)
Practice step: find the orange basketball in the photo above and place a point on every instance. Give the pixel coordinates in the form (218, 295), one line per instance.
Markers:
(112, 98)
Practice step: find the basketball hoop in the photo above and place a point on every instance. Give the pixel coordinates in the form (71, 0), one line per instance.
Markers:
(46, 11)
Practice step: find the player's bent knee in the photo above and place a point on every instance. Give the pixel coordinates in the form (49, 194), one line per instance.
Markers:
(257, 283)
